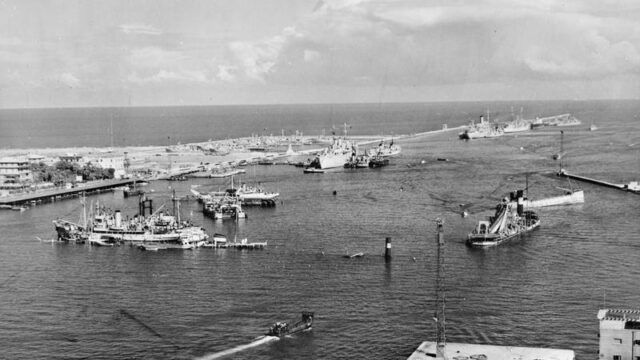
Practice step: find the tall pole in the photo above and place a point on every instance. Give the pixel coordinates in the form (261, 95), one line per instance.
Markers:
(561, 147)
(173, 200)
(440, 293)
(387, 249)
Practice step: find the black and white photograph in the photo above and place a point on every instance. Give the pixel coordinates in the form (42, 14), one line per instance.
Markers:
(320, 179)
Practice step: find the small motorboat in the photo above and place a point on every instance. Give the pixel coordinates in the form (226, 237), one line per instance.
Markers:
(356, 255)
(281, 328)
(104, 240)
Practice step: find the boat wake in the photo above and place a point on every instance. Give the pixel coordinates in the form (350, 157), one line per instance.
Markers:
(46, 240)
(260, 341)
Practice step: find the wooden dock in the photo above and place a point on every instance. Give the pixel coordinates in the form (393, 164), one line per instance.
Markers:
(58, 194)
(247, 245)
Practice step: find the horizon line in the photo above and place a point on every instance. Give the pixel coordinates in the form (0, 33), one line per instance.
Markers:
(307, 104)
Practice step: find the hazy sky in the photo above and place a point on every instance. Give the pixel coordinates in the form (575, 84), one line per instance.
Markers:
(169, 52)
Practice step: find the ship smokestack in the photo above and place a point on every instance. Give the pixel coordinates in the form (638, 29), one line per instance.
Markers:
(520, 196)
(118, 219)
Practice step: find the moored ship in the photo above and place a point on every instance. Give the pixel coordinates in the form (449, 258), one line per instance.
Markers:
(483, 129)
(510, 220)
(517, 125)
(338, 153)
(556, 120)
(385, 150)
(229, 208)
(107, 227)
(254, 195)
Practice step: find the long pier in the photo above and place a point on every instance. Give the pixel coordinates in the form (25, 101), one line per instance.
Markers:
(624, 187)
(56, 194)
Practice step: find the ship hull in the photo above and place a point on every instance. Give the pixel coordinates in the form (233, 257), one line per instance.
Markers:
(513, 129)
(488, 240)
(333, 161)
(576, 197)
(141, 237)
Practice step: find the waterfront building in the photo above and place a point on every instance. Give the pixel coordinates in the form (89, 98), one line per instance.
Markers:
(619, 334)
(71, 158)
(35, 158)
(15, 170)
(114, 162)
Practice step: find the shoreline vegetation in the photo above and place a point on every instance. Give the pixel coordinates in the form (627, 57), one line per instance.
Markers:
(148, 161)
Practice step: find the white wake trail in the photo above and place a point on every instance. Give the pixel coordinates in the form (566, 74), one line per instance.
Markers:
(260, 341)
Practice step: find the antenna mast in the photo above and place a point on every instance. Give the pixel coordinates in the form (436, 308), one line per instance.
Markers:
(440, 293)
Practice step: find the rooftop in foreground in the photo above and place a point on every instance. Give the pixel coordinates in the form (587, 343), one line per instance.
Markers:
(458, 351)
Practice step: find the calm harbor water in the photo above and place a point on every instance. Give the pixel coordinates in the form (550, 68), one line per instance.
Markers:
(73, 301)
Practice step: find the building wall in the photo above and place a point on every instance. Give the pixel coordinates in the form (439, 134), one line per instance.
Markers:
(116, 163)
(619, 342)
(15, 169)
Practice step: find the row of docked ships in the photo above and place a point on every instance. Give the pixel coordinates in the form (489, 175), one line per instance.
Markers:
(343, 153)
(158, 230)
(223, 205)
(487, 129)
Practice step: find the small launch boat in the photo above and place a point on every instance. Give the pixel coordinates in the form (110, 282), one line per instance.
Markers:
(281, 329)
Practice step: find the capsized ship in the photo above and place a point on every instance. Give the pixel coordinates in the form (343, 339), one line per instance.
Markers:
(510, 220)
(69, 231)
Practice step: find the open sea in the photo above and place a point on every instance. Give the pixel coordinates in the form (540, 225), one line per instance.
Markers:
(67, 301)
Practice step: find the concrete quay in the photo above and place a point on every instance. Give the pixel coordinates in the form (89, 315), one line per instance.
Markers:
(56, 194)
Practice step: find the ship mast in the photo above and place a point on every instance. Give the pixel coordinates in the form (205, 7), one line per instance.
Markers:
(440, 293)
(84, 211)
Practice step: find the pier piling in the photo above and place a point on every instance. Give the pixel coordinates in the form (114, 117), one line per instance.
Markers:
(387, 249)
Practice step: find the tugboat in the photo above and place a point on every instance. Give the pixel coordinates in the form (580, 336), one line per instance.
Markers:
(510, 220)
(281, 329)
(378, 161)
